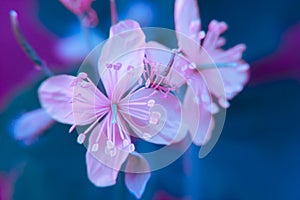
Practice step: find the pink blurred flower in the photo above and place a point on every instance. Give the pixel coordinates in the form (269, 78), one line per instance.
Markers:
(284, 63)
(31, 125)
(6, 185)
(128, 107)
(233, 70)
(83, 9)
(204, 80)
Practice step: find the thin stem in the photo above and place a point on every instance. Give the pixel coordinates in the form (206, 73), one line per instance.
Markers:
(29, 51)
(113, 12)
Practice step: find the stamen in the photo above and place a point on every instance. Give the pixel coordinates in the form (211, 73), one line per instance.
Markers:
(151, 103)
(201, 35)
(213, 108)
(91, 127)
(81, 138)
(117, 66)
(154, 117)
(146, 136)
(125, 143)
(130, 68)
(82, 75)
(223, 102)
(95, 147)
(72, 128)
(131, 147)
(109, 66)
(147, 83)
(110, 144)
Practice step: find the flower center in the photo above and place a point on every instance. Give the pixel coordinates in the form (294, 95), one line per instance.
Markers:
(114, 113)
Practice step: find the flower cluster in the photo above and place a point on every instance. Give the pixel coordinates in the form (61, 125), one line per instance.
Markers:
(142, 94)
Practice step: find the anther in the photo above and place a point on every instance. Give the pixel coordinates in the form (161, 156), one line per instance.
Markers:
(146, 136)
(147, 83)
(81, 138)
(109, 66)
(151, 103)
(117, 66)
(154, 117)
(125, 143)
(110, 144)
(131, 147)
(223, 102)
(82, 75)
(95, 147)
(130, 67)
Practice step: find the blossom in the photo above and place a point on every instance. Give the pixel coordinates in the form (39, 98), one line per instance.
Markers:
(204, 52)
(83, 9)
(232, 69)
(127, 106)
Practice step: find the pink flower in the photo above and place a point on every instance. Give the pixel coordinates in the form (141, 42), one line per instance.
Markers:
(223, 83)
(130, 106)
(233, 70)
(83, 9)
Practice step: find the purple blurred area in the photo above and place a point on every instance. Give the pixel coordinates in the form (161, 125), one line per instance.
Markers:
(16, 70)
(284, 63)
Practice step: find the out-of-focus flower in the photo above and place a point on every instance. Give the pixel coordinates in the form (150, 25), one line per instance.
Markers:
(162, 195)
(126, 107)
(6, 185)
(31, 125)
(83, 9)
(233, 70)
(284, 63)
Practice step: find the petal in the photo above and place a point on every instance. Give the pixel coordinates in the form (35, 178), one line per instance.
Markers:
(98, 173)
(234, 79)
(123, 51)
(137, 174)
(31, 125)
(197, 114)
(55, 95)
(104, 167)
(153, 115)
(67, 97)
(187, 19)
(187, 25)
